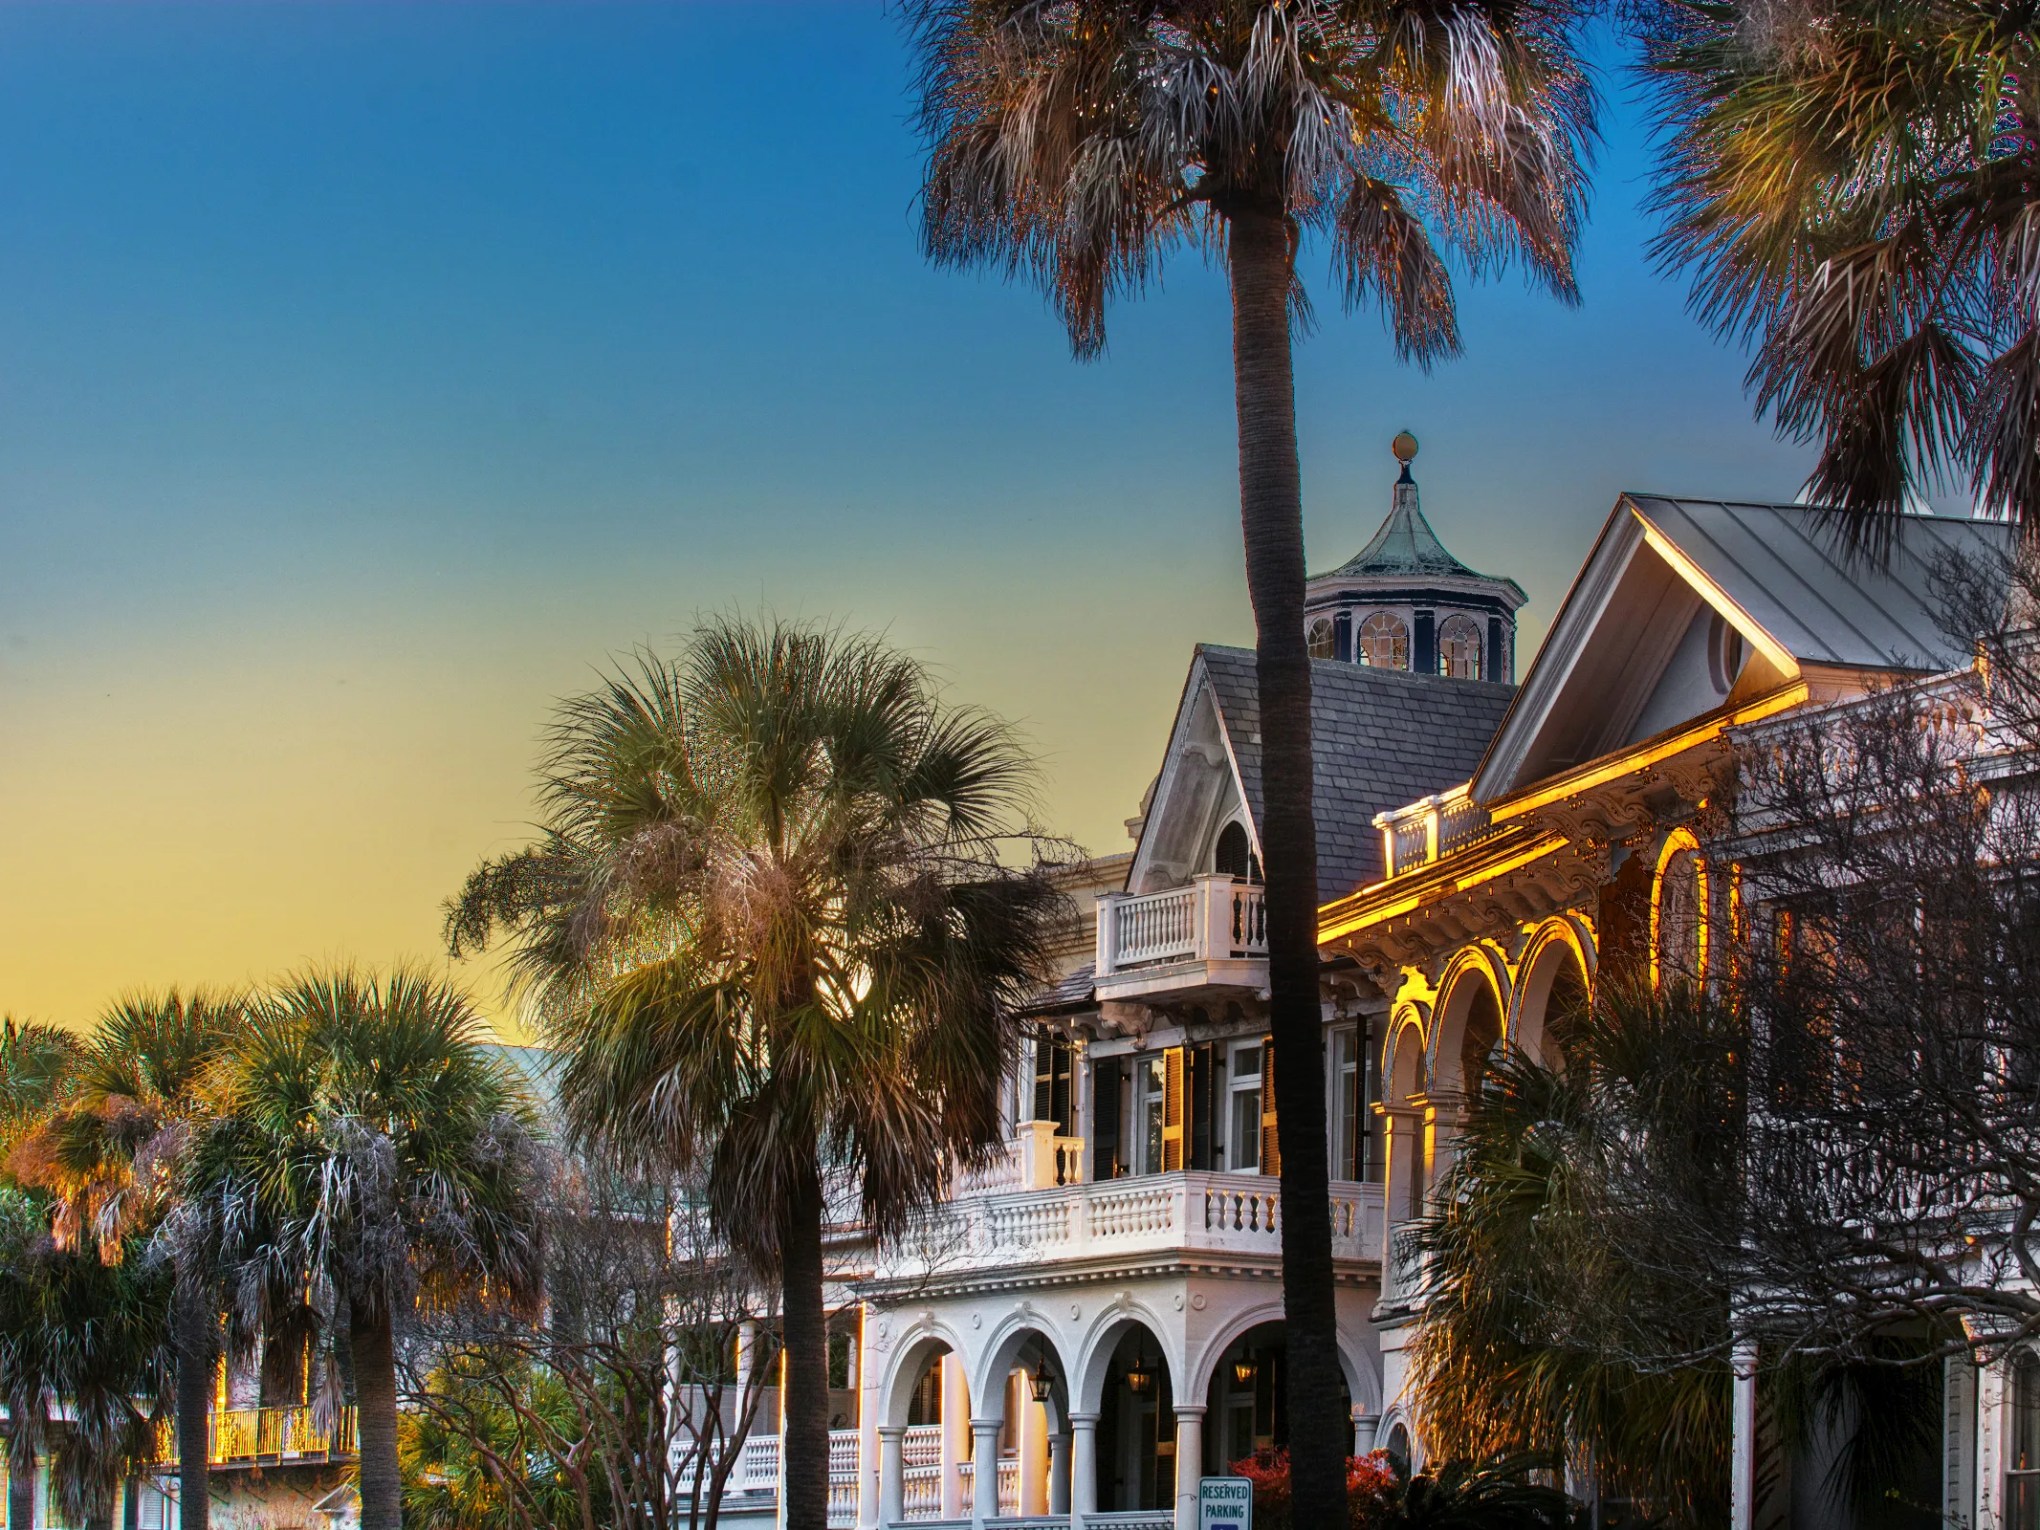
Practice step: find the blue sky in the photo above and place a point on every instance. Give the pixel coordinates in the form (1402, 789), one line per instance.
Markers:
(368, 372)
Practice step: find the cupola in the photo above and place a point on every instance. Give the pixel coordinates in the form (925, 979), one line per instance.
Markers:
(1404, 602)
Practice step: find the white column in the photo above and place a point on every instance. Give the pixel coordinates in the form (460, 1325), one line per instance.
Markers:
(1189, 1464)
(747, 1354)
(1059, 1472)
(984, 1469)
(892, 1473)
(1083, 1467)
(955, 1434)
(1365, 1426)
(1742, 1457)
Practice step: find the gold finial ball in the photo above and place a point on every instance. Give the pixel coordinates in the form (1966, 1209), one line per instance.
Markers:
(1404, 446)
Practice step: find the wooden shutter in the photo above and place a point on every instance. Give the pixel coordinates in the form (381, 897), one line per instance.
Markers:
(1044, 1069)
(1106, 1078)
(1271, 1149)
(1172, 1110)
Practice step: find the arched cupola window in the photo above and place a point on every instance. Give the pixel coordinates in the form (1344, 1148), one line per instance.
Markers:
(1459, 648)
(1234, 856)
(1384, 641)
(1322, 641)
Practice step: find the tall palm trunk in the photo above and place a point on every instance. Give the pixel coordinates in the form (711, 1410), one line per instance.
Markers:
(804, 1460)
(1261, 258)
(192, 1335)
(373, 1345)
(21, 1488)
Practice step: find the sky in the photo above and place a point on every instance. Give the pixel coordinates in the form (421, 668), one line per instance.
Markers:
(372, 374)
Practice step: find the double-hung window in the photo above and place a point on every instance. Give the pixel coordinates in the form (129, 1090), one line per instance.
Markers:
(1243, 1139)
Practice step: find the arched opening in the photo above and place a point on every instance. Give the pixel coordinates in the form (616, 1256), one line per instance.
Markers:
(1233, 855)
(1552, 999)
(1470, 1025)
(1245, 1404)
(1406, 1171)
(1398, 1444)
(1136, 1427)
(1030, 1385)
(1678, 913)
(930, 1397)
(1384, 641)
(1459, 648)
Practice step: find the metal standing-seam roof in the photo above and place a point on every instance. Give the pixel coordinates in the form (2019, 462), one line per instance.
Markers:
(1380, 739)
(1786, 567)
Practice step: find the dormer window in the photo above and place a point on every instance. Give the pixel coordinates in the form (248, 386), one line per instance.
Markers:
(1459, 644)
(1384, 641)
(1321, 639)
(1234, 856)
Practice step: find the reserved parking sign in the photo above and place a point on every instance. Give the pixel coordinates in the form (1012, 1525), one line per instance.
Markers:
(1225, 1503)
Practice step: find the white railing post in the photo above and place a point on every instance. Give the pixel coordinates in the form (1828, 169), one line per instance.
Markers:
(1108, 954)
(1214, 913)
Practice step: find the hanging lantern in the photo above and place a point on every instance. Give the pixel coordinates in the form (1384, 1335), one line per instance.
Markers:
(1041, 1383)
(1244, 1371)
(1139, 1377)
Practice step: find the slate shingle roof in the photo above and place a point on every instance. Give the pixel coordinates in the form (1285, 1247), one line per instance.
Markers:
(1381, 739)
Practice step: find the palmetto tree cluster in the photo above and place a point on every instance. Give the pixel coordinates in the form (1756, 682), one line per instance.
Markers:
(263, 1170)
(1855, 185)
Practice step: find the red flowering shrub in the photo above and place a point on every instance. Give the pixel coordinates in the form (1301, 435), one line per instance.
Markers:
(1370, 1485)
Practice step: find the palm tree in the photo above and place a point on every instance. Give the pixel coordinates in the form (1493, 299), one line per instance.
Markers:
(1852, 184)
(80, 1341)
(772, 930)
(1076, 142)
(37, 1062)
(364, 1149)
(109, 1157)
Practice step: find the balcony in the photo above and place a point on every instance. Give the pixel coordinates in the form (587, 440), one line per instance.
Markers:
(1212, 934)
(1195, 1212)
(1430, 830)
(265, 1437)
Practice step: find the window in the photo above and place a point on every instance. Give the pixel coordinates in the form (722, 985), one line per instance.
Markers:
(1108, 1113)
(2022, 1459)
(1356, 1126)
(1322, 641)
(1149, 1081)
(1384, 642)
(1243, 1139)
(1725, 654)
(1053, 1063)
(1234, 855)
(1459, 648)
(1678, 915)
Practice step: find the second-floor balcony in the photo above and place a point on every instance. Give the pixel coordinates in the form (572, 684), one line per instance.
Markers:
(265, 1437)
(1211, 934)
(1140, 1216)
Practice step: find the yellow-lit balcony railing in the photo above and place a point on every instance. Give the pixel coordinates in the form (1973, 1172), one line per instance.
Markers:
(259, 1436)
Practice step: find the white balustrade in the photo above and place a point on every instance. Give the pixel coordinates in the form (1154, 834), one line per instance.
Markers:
(1234, 1213)
(1215, 918)
(758, 1465)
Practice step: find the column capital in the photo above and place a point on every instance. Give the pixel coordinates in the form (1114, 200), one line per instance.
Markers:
(987, 1425)
(1084, 1420)
(1188, 1410)
(892, 1431)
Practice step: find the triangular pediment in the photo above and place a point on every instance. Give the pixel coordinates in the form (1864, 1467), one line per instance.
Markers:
(1197, 793)
(1640, 647)
(1687, 607)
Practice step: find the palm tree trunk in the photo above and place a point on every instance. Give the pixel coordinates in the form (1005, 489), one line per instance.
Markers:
(373, 1345)
(21, 1488)
(804, 1447)
(193, 1336)
(1261, 259)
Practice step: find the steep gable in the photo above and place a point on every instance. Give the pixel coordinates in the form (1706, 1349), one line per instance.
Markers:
(1688, 606)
